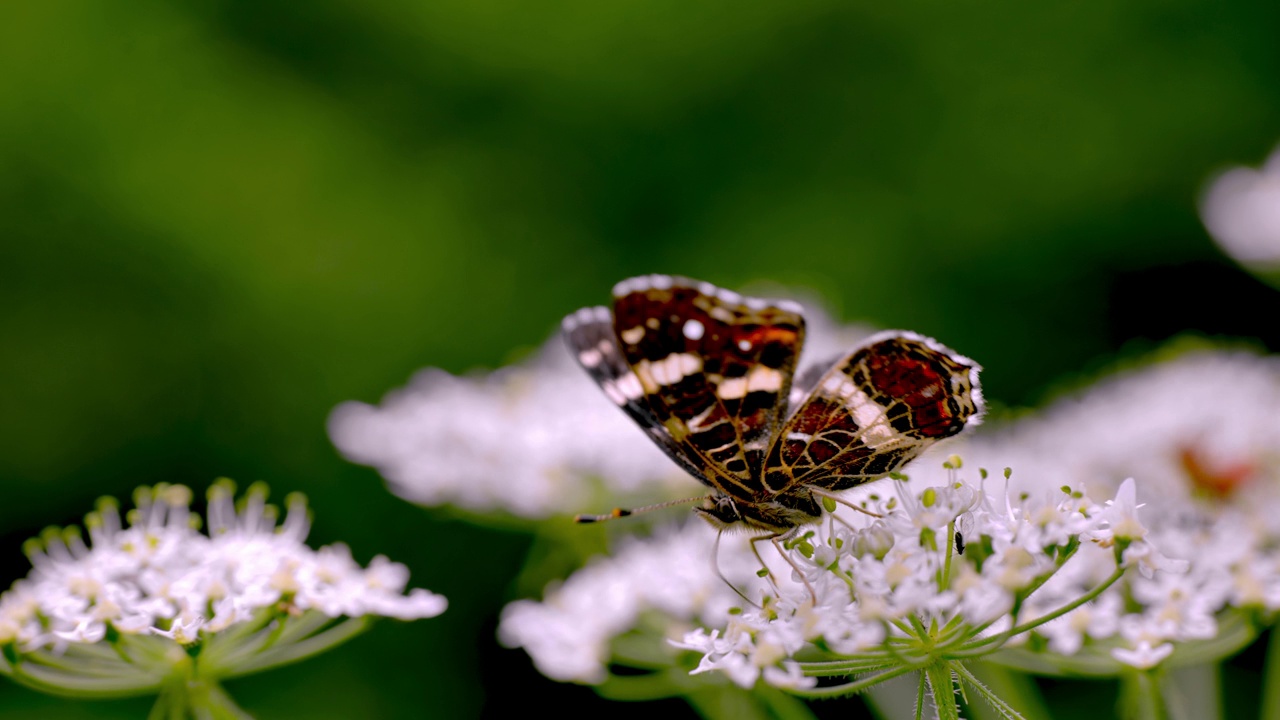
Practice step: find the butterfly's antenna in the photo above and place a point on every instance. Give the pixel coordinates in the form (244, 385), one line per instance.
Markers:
(623, 512)
(715, 565)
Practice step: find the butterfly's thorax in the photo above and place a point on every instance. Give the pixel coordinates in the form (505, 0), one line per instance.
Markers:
(706, 373)
(777, 514)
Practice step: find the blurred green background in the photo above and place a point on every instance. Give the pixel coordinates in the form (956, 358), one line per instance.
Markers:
(220, 218)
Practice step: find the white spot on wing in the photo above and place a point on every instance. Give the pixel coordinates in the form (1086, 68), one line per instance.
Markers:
(732, 388)
(744, 345)
(590, 358)
(872, 422)
(667, 371)
(693, 330)
(629, 386)
(633, 335)
(763, 378)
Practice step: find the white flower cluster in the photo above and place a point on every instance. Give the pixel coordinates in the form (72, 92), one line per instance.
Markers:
(1200, 433)
(855, 588)
(898, 592)
(1241, 209)
(534, 439)
(668, 578)
(114, 615)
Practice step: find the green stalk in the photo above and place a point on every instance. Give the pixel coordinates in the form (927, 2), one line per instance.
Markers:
(943, 688)
(853, 687)
(285, 654)
(1271, 679)
(1005, 684)
(1141, 698)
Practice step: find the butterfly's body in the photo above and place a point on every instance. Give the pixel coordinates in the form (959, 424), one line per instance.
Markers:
(708, 375)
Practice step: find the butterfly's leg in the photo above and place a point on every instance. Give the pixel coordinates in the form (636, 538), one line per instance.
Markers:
(823, 493)
(782, 551)
(768, 574)
(715, 565)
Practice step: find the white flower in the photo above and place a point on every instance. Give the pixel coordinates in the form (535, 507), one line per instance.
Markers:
(1143, 656)
(169, 599)
(1241, 209)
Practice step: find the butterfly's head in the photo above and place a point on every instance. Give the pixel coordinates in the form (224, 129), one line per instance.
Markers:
(720, 510)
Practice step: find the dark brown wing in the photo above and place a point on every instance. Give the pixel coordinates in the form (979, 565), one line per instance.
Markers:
(873, 411)
(590, 336)
(711, 368)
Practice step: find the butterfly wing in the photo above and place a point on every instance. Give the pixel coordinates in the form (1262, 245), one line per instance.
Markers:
(707, 373)
(590, 336)
(872, 412)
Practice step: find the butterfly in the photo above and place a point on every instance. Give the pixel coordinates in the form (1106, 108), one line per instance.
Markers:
(710, 376)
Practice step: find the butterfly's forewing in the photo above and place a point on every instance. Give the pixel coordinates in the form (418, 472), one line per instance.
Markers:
(590, 336)
(714, 370)
(874, 410)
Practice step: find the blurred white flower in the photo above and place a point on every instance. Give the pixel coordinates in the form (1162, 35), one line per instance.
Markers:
(534, 439)
(670, 576)
(141, 605)
(1241, 209)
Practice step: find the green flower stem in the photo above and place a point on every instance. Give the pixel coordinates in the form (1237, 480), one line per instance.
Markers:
(943, 688)
(854, 687)
(1006, 684)
(231, 652)
(1271, 678)
(844, 667)
(85, 667)
(1141, 697)
(980, 646)
(1195, 692)
(921, 694)
(186, 697)
(946, 567)
(285, 654)
(58, 682)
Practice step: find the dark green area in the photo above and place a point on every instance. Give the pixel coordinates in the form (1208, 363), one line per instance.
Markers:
(219, 219)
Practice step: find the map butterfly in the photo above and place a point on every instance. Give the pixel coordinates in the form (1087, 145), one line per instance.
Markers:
(708, 375)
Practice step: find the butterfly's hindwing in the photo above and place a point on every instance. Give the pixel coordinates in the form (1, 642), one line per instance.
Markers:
(872, 412)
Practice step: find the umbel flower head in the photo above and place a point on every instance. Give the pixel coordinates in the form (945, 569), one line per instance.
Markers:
(875, 598)
(155, 606)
